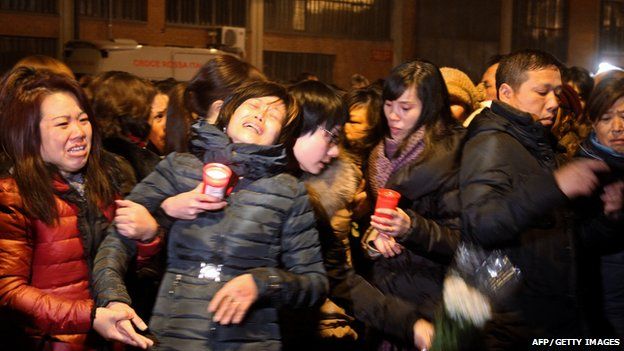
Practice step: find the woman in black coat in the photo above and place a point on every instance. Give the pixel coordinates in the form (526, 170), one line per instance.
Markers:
(602, 260)
(419, 158)
(231, 268)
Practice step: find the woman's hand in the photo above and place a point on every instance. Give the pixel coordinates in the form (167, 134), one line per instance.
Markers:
(387, 246)
(231, 302)
(423, 334)
(188, 205)
(396, 226)
(134, 221)
(109, 323)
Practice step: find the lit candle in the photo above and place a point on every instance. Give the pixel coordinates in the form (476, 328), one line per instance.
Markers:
(216, 178)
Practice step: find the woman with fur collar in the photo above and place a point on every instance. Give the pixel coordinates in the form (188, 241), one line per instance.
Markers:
(332, 179)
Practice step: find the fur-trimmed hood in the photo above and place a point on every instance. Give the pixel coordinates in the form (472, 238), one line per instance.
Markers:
(335, 187)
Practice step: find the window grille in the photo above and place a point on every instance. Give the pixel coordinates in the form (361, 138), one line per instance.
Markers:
(134, 10)
(286, 66)
(612, 26)
(541, 24)
(357, 19)
(38, 6)
(207, 12)
(12, 49)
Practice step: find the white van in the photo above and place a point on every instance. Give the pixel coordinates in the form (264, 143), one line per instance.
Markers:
(151, 62)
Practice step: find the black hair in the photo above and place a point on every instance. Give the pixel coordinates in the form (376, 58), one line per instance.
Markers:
(122, 103)
(604, 95)
(256, 89)
(319, 105)
(513, 68)
(216, 80)
(579, 77)
(370, 98)
(431, 91)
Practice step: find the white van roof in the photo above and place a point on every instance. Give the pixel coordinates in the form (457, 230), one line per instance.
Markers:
(151, 62)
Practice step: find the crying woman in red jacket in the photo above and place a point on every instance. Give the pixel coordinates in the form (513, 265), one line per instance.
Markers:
(57, 192)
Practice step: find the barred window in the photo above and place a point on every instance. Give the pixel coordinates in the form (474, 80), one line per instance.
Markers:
(612, 26)
(361, 19)
(207, 12)
(541, 24)
(38, 6)
(12, 49)
(134, 10)
(286, 66)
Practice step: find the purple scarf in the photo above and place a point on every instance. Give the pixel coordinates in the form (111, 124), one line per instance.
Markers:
(380, 164)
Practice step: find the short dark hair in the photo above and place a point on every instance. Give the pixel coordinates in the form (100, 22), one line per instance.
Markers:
(513, 68)
(179, 121)
(580, 77)
(604, 95)
(370, 98)
(256, 89)
(494, 59)
(122, 103)
(319, 105)
(216, 80)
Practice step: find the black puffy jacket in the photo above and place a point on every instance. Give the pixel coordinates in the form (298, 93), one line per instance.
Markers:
(430, 196)
(510, 201)
(267, 229)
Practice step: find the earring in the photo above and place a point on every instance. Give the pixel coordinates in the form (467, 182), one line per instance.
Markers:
(225, 130)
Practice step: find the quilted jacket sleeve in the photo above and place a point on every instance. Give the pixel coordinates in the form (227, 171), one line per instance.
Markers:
(116, 251)
(47, 312)
(302, 282)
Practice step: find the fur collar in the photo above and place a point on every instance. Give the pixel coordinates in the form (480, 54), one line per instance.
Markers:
(334, 188)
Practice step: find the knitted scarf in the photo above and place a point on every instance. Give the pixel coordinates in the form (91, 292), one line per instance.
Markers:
(381, 165)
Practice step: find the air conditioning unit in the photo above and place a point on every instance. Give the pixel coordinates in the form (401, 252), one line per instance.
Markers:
(231, 39)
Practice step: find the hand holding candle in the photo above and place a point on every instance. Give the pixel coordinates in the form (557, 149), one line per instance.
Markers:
(389, 220)
(216, 178)
(387, 198)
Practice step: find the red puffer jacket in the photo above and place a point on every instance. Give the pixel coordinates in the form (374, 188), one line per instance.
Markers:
(45, 270)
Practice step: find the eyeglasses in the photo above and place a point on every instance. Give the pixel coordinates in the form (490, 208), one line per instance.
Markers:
(334, 137)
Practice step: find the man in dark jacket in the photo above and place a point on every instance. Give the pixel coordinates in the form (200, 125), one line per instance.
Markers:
(514, 199)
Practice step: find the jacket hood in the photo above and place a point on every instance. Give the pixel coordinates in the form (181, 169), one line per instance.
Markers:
(251, 161)
(590, 148)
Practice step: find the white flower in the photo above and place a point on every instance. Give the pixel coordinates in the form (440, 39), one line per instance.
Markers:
(465, 303)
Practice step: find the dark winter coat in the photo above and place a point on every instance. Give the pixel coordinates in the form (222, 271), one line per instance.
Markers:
(141, 159)
(510, 201)
(429, 189)
(267, 229)
(602, 257)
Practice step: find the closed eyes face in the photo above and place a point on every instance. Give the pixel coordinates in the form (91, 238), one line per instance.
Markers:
(257, 121)
(65, 132)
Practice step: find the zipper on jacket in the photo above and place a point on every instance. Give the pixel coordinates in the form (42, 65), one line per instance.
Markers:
(176, 282)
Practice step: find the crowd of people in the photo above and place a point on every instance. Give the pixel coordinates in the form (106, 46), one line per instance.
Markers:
(109, 241)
